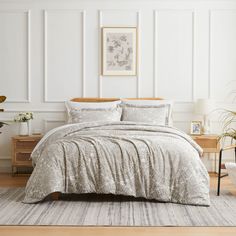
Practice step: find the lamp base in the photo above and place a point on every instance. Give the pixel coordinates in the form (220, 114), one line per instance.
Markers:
(207, 126)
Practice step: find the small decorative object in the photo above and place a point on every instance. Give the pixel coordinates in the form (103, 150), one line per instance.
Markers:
(204, 107)
(229, 118)
(24, 131)
(119, 51)
(23, 118)
(196, 128)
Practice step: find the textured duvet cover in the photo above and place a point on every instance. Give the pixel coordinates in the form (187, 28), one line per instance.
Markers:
(125, 158)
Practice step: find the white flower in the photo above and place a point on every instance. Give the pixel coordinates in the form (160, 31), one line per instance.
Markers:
(27, 117)
(23, 117)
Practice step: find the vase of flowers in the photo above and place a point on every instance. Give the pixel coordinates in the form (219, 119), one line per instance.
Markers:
(23, 118)
(228, 117)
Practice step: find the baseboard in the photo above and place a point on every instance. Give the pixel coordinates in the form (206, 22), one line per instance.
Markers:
(5, 165)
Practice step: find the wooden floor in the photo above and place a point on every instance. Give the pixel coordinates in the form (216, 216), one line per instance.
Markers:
(7, 180)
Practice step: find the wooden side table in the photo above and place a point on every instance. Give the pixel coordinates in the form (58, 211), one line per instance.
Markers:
(209, 143)
(22, 147)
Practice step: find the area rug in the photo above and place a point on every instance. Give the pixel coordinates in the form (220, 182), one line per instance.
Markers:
(108, 210)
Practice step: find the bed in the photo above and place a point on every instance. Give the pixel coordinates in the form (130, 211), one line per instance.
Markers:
(139, 159)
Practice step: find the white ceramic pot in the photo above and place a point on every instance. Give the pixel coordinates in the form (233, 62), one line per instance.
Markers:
(24, 131)
(29, 127)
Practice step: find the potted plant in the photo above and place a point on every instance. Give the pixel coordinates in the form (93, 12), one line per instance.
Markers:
(228, 118)
(23, 118)
(2, 99)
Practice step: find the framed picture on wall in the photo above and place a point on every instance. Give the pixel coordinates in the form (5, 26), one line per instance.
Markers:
(196, 128)
(119, 51)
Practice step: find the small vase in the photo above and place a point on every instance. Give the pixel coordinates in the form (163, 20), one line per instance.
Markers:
(24, 131)
(29, 127)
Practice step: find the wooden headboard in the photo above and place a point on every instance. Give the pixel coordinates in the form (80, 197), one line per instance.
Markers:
(109, 99)
(94, 99)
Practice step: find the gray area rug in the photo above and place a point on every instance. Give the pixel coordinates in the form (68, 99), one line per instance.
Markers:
(108, 210)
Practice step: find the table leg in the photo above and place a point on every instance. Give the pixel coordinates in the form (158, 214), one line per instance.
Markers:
(215, 161)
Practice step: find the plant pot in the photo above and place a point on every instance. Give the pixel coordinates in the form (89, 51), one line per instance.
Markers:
(23, 131)
(29, 127)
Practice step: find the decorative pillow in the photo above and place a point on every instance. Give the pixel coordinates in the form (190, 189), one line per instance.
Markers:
(99, 114)
(152, 103)
(158, 115)
(89, 105)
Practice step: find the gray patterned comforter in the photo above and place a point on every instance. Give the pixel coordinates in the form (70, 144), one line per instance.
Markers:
(141, 160)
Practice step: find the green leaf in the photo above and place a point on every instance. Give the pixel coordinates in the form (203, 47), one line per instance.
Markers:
(2, 124)
(2, 98)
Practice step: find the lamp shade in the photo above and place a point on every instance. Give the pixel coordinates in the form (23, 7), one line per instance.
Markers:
(203, 106)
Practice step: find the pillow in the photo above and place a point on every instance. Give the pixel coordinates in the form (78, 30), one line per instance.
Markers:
(152, 103)
(70, 105)
(95, 114)
(158, 115)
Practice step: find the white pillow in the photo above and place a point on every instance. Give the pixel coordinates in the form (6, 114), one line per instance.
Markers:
(70, 105)
(148, 103)
(95, 114)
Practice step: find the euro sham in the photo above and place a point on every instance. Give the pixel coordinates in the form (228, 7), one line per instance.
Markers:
(71, 105)
(88, 115)
(148, 103)
(158, 115)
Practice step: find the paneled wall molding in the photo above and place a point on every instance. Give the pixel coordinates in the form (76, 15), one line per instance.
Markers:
(28, 59)
(209, 55)
(155, 50)
(83, 52)
(210, 79)
(35, 110)
(47, 121)
(139, 55)
(83, 66)
(100, 25)
(193, 55)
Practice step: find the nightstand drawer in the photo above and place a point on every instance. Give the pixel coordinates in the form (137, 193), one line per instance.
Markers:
(22, 148)
(207, 143)
(26, 144)
(22, 157)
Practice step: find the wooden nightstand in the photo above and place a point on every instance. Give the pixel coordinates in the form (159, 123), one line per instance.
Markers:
(209, 143)
(22, 147)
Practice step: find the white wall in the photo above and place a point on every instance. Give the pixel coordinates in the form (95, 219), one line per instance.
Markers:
(50, 52)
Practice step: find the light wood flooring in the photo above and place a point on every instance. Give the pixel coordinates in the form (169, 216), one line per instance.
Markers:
(7, 180)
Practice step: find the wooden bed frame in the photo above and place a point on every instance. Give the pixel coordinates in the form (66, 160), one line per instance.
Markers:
(56, 195)
(109, 99)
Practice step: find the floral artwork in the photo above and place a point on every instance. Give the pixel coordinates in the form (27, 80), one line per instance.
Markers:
(119, 51)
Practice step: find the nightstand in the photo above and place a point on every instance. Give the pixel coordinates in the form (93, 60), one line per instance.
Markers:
(22, 147)
(209, 143)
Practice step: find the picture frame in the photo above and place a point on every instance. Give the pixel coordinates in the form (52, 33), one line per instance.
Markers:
(196, 128)
(119, 51)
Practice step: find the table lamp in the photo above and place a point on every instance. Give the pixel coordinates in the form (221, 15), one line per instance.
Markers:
(204, 107)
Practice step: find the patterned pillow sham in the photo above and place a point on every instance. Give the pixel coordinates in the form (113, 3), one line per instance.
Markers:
(96, 114)
(70, 106)
(158, 115)
(144, 103)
